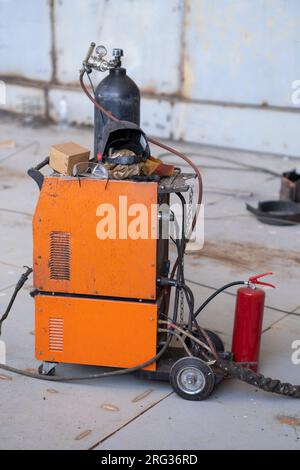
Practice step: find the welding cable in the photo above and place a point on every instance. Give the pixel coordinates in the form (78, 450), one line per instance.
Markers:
(187, 291)
(180, 267)
(234, 370)
(176, 335)
(179, 272)
(102, 375)
(201, 331)
(18, 287)
(184, 332)
(179, 262)
(32, 375)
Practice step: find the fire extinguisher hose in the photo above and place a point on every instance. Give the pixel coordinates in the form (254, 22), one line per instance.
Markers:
(236, 371)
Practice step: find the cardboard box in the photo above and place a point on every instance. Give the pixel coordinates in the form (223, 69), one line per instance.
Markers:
(63, 157)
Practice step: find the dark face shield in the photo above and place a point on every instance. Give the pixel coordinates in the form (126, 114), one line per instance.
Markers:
(124, 143)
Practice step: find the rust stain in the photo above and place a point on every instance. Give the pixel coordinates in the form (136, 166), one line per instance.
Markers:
(142, 396)
(246, 255)
(83, 434)
(289, 420)
(108, 407)
(52, 390)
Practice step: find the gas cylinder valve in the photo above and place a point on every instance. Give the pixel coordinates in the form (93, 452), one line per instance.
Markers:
(96, 61)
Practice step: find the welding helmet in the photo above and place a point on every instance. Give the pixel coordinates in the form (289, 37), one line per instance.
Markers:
(123, 143)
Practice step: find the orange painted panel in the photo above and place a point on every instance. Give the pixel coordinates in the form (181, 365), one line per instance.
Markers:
(68, 255)
(95, 331)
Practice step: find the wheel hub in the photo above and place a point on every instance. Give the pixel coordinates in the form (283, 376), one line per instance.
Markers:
(191, 380)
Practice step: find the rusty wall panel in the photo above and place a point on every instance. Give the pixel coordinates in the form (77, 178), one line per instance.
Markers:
(149, 31)
(25, 39)
(242, 51)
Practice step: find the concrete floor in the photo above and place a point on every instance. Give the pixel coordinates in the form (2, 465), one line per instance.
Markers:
(129, 413)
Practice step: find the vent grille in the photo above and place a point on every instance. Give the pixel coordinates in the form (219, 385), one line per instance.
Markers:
(56, 334)
(60, 252)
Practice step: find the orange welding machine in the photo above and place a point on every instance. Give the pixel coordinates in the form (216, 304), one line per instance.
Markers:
(106, 293)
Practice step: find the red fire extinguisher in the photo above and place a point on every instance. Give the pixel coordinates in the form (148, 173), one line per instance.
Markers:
(248, 321)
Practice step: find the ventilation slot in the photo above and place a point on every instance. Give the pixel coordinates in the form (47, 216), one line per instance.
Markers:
(56, 334)
(60, 256)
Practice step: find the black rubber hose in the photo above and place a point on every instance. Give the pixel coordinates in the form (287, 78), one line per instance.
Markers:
(32, 375)
(234, 370)
(18, 287)
(217, 292)
(103, 375)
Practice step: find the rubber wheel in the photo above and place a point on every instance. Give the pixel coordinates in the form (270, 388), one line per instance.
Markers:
(216, 340)
(51, 373)
(192, 379)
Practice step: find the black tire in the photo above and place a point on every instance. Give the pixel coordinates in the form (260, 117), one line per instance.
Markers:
(192, 379)
(216, 340)
(51, 373)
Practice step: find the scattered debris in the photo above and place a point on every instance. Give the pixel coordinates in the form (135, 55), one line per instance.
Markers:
(142, 396)
(5, 377)
(108, 407)
(83, 434)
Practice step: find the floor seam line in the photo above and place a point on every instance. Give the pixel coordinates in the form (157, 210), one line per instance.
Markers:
(129, 422)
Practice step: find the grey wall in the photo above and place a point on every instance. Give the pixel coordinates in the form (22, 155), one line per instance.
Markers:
(217, 72)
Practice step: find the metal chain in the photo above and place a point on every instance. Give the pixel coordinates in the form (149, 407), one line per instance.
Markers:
(186, 229)
(190, 210)
(181, 307)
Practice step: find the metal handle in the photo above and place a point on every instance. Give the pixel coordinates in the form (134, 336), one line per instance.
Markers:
(36, 175)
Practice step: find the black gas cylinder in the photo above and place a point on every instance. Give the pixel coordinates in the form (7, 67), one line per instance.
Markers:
(120, 95)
